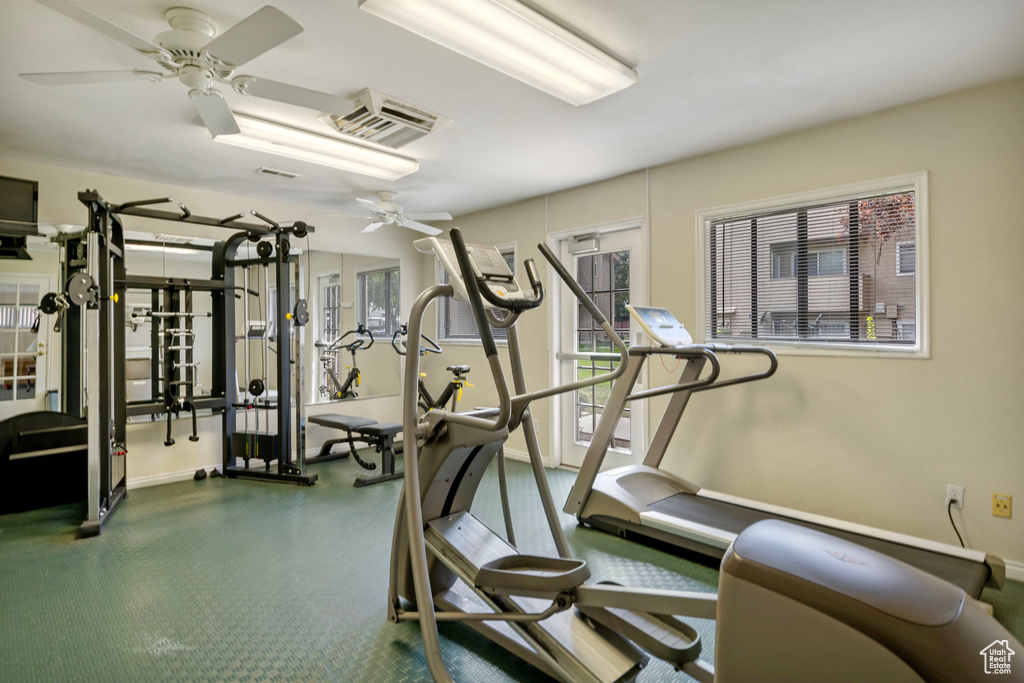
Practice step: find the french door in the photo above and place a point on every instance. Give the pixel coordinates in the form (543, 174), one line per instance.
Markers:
(611, 269)
(24, 333)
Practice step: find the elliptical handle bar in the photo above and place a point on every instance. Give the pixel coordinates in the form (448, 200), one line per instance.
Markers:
(520, 305)
(473, 290)
(486, 338)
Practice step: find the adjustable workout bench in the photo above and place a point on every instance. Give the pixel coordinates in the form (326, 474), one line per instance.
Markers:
(380, 435)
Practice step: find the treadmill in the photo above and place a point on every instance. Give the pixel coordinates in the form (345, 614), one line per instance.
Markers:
(645, 502)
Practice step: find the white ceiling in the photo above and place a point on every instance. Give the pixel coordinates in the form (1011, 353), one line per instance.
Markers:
(712, 74)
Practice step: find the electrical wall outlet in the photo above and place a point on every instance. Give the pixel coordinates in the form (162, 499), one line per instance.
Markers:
(1002, 505)
(956, 494)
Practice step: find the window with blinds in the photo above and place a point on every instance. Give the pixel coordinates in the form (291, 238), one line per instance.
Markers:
(455, 320)
(378, 306)
(835, 272)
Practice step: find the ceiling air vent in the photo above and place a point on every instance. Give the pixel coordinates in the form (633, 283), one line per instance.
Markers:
(385, 120)
(277, 172)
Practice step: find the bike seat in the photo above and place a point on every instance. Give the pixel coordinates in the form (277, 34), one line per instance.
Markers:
(458, 369)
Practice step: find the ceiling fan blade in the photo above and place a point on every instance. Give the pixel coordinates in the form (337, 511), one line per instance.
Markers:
(372, 226)
(261, 31)
(435, 216)
(369, 203)
(215, 112)
(83, 77)
(293, 94)
(104, 26)
(414, 225)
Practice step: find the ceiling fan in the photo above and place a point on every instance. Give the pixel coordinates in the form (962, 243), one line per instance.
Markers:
(389, 212)
(193, 53)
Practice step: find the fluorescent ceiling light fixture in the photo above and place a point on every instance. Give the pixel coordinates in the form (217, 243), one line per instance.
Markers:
(292, 143)
(514, 39)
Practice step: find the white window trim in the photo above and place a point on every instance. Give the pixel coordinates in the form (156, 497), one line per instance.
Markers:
(916, 181)
(441, 338)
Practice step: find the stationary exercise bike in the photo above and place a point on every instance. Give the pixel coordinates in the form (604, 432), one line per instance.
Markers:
(343, 389)
(452, 391)
(794, 604)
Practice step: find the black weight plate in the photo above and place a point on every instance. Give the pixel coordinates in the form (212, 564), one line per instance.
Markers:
(49, 304)
(256, 387)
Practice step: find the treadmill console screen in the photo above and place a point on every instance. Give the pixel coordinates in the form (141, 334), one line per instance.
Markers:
(661, 325)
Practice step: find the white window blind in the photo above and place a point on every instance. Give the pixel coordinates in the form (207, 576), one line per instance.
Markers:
(455, 320)
(832, 272)
(378, 303)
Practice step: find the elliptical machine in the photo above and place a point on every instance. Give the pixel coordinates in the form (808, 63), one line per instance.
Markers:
(794, 604)
(339, 389)
(452, 391)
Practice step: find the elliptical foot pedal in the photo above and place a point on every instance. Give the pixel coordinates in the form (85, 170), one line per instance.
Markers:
(664, 636)
(531, 575)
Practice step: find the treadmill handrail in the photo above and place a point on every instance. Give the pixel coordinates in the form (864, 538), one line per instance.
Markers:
(704, 385)
(697, 385)
(773, 361)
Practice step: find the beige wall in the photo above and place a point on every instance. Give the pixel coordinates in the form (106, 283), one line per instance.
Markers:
(870, 440)
(149, 460)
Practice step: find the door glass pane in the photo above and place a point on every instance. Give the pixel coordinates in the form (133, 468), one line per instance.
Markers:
(6, 366)
(585, 272)
(585, 424)
(8, 318)
(602, 271)
(606, 278)
(26, 388)
(620, 263)
(584, 321)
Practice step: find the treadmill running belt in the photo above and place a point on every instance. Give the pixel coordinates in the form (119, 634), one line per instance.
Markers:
(967, 574)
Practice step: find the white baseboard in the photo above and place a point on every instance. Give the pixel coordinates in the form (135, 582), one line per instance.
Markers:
(523, 456)
(1014, 570)
(165, 478)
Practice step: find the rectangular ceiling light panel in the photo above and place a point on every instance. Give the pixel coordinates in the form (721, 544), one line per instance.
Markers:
(292, 143)
(514, 39)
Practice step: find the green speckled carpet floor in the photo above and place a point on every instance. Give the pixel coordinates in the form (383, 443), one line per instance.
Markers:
(226, 580)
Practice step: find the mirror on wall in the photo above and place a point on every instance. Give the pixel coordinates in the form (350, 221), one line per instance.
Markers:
(354, 312)
(344, 292)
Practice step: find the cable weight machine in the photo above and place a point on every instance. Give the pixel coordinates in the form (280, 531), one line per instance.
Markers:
(91, 316)
(272, 257)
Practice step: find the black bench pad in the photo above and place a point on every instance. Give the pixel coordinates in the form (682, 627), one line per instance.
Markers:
(381, 429)
(346, 422)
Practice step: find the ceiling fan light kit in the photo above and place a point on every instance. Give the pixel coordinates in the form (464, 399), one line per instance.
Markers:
(265, 136)
(515, 40)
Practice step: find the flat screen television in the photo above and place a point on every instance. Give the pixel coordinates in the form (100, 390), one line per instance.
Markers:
(19, 207)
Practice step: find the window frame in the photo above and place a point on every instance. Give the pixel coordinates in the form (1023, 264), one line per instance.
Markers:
(918, 182)
(360, 298)
(442, 302)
